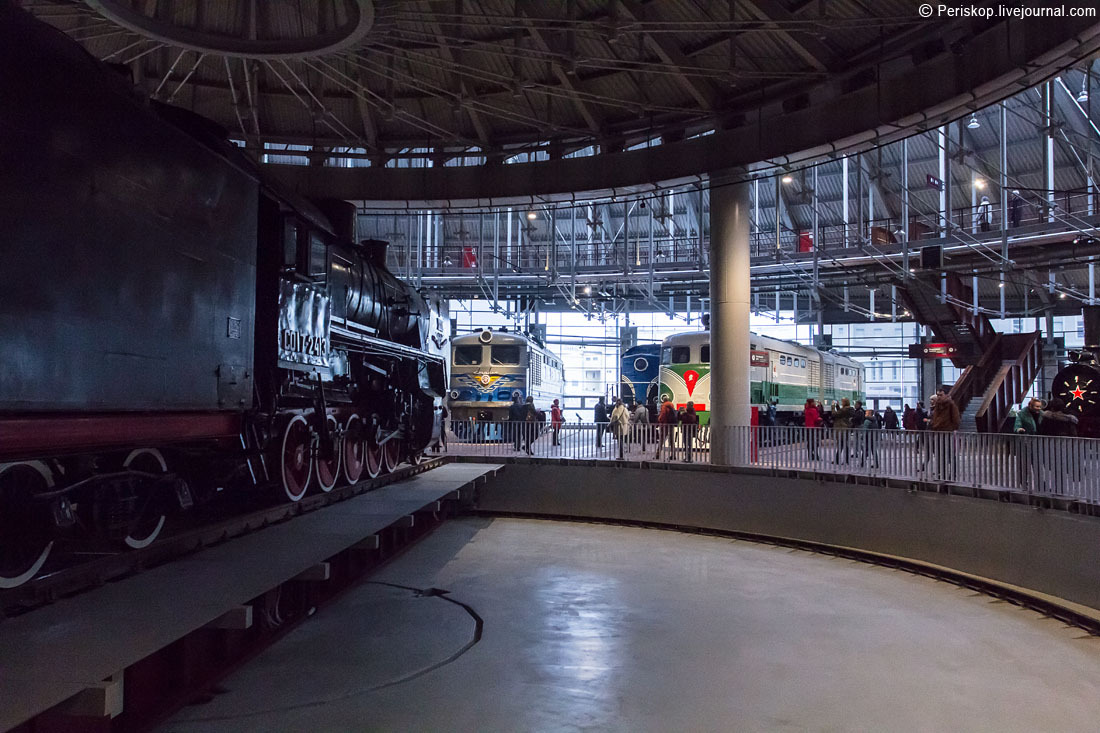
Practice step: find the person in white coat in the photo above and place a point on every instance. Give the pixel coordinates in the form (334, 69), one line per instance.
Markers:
(619, 423)
(985, 214)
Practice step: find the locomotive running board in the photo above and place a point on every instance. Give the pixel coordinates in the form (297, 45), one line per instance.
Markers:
(376, 345)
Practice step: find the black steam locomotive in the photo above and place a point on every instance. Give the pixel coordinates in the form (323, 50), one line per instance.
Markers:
(172, 326)
(1077, 384)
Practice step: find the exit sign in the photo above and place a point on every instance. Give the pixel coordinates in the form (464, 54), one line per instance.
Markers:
(934, 182)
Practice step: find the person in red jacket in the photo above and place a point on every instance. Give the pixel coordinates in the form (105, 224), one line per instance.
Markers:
(666, 422)
(555, 421)
(812, 419)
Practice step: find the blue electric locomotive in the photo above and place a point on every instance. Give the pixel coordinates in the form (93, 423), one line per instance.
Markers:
(487, 367)
(640, 367)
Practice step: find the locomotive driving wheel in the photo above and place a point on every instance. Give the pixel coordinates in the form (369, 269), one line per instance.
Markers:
(373, 459)
(149, 517)
(328, 469)
(391, 450)
(295, 458)
(355, 450)
(25, 529)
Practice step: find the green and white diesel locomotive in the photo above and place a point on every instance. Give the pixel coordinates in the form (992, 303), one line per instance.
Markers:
(782, 372)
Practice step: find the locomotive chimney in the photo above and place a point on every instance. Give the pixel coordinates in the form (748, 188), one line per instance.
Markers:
(341, 215)
(1090, 314)
(375, 251)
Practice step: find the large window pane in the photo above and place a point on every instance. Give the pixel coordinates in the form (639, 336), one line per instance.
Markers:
(505, 355)
(467, 355)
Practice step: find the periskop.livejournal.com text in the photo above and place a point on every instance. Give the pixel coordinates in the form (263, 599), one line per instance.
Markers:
(1037, 10)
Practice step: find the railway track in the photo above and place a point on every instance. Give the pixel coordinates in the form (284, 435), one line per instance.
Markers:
(80, 572)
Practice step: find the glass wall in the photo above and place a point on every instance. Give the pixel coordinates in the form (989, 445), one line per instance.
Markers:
(589, 346)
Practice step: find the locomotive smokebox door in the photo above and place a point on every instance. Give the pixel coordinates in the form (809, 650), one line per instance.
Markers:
(304, 316)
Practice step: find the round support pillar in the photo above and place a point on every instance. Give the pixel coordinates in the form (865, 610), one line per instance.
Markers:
(729, 317)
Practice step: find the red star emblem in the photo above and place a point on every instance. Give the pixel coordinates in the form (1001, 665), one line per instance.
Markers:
(1078, 393)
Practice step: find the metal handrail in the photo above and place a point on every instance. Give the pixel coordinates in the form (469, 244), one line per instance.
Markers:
(1033, 464)
(1011, 382)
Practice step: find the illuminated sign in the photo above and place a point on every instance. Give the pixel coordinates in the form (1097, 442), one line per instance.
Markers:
(933, 351)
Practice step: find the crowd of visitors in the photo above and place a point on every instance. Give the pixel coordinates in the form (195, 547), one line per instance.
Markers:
(856, 433)
(845, 418)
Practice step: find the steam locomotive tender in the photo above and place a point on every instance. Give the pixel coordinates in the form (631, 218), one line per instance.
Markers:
(170, 325)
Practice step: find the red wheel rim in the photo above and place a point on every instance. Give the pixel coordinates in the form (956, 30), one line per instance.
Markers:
(392, 450)
(297, 459)
(374, 459)
(355, 451)
(328, 469)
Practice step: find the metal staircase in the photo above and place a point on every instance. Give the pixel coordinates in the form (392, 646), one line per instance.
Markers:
(998, 369)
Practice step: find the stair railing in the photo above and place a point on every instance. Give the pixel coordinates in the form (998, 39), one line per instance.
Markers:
(1022, 358)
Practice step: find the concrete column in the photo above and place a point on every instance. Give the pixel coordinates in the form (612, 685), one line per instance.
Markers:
(930, 375)
(729, 314)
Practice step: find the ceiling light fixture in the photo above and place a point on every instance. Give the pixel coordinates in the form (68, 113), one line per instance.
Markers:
(788, 179)
(531, 215)
(1084, 95)
(973, 123)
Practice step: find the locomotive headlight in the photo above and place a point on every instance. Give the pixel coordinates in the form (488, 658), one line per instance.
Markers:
(454, 394)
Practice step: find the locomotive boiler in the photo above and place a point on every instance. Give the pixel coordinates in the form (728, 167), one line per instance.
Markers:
(172, 325)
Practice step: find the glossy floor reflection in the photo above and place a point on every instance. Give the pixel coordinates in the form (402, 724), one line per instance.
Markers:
(590, 627)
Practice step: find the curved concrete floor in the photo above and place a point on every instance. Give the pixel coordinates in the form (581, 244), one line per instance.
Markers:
(590, 627)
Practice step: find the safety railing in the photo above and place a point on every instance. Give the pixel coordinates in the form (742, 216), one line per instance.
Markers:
(474, 247)
(624, 253)
(1027, 208)
(1021, 359)
(640, 442)
(1054, 466)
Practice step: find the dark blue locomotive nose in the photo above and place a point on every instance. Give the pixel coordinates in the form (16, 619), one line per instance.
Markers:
(640, 367)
